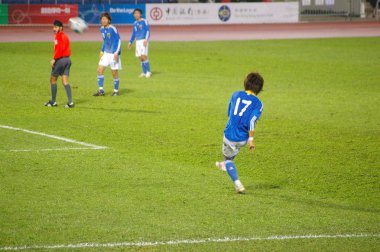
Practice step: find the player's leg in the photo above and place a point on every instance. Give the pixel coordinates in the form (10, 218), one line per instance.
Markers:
(66, 83)
(230, 150)
(115, 67)
(145, 61)
(145, 65)
(116, 81)
(53, 88)
(56, 71)
(104, 62)
(232, 172)
(100, 71)
(139, 52)
(227, 151)
(143, 74)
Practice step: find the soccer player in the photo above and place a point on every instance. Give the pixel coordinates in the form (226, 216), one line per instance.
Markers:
(61, 64)
(110, 54)
(244, 110)
(141, 33)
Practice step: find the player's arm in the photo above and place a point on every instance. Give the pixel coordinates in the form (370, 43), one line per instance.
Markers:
(102, 50)
(103, 47)
(133, 36)
(147, 33)
(58, 50)
(230, 106)
(255, 116)
(251, 141)
(116, 45)
(229, 109)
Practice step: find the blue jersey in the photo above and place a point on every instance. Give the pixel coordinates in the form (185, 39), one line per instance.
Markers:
(141, 30)
(243, 112)
(111, 40)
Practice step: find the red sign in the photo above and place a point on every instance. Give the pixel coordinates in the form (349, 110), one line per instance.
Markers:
(41, 14)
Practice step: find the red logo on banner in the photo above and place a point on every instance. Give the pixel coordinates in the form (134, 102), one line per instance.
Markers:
(156, 13)
(41, 14)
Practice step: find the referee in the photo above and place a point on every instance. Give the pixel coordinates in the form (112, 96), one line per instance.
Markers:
(60, 65)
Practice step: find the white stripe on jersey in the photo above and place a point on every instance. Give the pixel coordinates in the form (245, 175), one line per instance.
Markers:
(252, 123)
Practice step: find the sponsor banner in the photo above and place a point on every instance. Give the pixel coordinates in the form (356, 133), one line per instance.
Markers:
(120, 13)
(222, 13)
(41, 14)
(181, 14)
(3, 14)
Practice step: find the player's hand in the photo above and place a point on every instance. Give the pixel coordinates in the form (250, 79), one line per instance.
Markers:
(251, 145)
(129, 45)
(116, 57)
(52, 62)
(145, 43)
(100, 55)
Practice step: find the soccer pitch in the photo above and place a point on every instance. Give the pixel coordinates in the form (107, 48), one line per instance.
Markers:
(312, 183)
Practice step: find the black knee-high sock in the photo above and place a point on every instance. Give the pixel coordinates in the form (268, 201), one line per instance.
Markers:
(68, 92)
(53, 92)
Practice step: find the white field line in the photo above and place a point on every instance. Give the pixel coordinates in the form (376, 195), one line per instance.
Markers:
(87, 145)
(177, 242)
(54, 149)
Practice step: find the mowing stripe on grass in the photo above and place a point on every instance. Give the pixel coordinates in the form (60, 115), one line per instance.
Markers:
(88, 145)
(177, 242)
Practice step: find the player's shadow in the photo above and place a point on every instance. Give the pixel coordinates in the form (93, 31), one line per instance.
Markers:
(124, 110)
(262, 189)
(265, 187)
(124, 91)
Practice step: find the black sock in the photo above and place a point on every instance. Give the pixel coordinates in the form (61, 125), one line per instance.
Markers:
(53, 92)
(68, 92)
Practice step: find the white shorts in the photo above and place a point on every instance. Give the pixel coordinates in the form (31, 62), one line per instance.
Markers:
(140, 48)
(231, 149)
(108, 60)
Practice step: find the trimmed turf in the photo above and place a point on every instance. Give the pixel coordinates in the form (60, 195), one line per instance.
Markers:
(315, 170)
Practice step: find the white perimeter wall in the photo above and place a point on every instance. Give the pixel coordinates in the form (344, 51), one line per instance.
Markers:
(222, 13)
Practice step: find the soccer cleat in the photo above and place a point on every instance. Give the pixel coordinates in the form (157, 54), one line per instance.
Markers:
(99, 93)
(51, 104)
(239, 187)
(221, 166)
(115, 93)
(148, 74)
(141, 75)
(69, 105)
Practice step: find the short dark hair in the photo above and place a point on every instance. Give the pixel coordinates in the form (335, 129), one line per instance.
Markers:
(254, 82)
(107, 15)
(57, 23)
(138, 10)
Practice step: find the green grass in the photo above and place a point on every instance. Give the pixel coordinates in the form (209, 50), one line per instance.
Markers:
(315, 170)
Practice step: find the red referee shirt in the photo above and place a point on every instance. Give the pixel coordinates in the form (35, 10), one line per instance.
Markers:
(61, 46)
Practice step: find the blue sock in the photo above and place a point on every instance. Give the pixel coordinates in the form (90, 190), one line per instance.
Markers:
(100, 81)
(147, 66)
(116, 84)
(231, 169)
(143, 67)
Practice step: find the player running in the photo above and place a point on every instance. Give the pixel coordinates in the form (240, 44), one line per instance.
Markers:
(141, 33)
(60, 64)
(110, 54)
(244, 110)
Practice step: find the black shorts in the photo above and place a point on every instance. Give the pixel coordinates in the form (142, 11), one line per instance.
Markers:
(61, 67)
